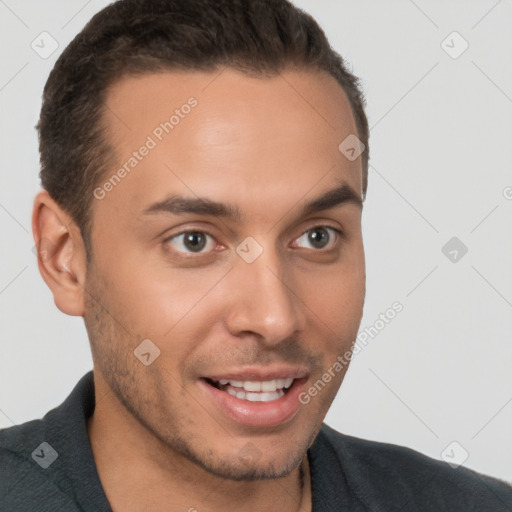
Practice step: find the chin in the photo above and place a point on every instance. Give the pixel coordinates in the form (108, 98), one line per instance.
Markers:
(252, 470)
(250, 462)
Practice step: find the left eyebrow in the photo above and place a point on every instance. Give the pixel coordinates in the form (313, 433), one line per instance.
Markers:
(332, 198)
(203, 206)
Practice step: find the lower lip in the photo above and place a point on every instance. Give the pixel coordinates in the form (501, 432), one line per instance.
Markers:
(257, 414)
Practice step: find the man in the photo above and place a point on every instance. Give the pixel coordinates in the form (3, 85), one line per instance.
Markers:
(198, 213)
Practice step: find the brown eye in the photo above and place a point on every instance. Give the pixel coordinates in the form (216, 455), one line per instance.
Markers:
(318, 237)
(191, 241)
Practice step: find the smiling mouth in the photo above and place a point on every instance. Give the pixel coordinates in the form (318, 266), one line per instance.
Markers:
(254, 391)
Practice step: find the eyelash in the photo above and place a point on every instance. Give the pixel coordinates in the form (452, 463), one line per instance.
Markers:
(338, 235)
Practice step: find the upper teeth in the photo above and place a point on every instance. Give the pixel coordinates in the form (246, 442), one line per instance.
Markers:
(265, 385)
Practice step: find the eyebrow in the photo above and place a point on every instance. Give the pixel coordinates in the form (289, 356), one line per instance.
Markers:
(178, 205)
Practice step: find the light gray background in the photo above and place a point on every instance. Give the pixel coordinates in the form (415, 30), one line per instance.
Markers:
(441, 160)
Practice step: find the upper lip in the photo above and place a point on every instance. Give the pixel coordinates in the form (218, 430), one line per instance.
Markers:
(261, 374)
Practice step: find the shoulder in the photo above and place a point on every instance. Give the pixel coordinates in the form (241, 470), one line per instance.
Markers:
(25, 483)
(38, 459)
(387, 473)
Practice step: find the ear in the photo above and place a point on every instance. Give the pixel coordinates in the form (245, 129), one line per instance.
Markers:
(61, 254)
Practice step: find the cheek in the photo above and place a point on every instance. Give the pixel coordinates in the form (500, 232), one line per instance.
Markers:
(154, 297)
(336, 295)
(351, 284)
(173, 308)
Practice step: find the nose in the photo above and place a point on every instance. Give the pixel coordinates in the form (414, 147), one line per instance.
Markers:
(264, 301)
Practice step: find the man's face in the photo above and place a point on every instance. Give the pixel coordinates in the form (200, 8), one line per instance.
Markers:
(256, 295)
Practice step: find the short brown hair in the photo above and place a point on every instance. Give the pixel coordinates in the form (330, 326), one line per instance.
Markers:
(257, 37)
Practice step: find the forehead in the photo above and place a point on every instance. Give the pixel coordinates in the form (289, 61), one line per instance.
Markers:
(227, 136)
(310, 101)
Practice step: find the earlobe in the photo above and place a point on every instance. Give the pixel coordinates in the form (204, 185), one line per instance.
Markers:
(60, 254)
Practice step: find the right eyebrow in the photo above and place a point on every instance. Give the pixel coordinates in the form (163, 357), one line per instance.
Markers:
(201, 206)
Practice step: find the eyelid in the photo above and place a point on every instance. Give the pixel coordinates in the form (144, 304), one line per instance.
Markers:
(210, 240)
(315, 224)
(339, 234)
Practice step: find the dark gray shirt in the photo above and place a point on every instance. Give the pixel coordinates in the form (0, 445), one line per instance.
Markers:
(47, 466)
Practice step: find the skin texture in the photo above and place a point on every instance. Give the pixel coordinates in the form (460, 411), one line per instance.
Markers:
(266, 146)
